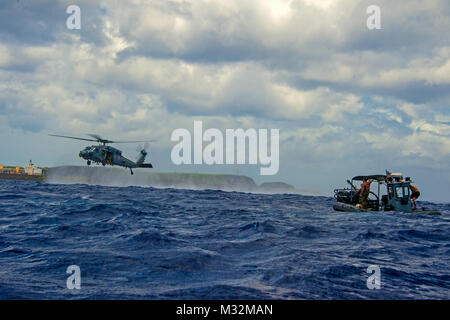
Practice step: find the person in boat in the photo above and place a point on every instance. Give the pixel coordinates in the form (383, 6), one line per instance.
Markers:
(364, 193)
(355, 195)
(415, 193)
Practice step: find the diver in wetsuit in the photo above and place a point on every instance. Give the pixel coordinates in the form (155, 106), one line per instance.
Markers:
(364, 193)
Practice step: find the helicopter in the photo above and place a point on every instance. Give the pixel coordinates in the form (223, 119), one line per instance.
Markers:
(107, 155)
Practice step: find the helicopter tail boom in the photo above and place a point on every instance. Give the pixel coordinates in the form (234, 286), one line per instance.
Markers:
(146, 165)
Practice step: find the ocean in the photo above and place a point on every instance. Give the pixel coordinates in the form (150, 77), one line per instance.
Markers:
(148, 243)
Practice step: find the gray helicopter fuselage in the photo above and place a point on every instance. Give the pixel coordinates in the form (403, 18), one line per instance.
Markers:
(106, 155)
(109, 155)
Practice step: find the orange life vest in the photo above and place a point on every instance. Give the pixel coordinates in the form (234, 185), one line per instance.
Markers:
(365, 188)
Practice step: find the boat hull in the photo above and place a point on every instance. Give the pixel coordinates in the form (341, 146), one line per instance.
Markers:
(345, 207)
(428, 212)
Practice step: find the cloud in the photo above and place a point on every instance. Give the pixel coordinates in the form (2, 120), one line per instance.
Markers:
(336, 90)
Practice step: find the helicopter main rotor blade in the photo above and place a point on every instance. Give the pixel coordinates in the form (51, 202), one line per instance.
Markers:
(99, 139)
(76, 138)
(95, 136)
(133, 141)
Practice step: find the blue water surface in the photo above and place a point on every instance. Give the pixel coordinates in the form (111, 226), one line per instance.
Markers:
(147, 243)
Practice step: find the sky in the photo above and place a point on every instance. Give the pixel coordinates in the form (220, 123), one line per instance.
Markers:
(347, 100)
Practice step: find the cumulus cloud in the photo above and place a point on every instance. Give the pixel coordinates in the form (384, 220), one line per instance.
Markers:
(311, 68)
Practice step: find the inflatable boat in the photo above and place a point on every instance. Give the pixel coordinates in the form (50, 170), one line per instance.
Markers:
(397, 197)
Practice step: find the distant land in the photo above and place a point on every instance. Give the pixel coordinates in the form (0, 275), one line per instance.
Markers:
(119, 177)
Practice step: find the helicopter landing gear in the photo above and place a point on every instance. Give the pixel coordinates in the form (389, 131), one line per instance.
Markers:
(131, 170)
(88, 162)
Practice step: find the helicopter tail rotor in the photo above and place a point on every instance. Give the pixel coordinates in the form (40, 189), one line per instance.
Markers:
(141, 148)
(141, 157)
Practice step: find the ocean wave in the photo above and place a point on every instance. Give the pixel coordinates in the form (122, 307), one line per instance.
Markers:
(149, 243)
